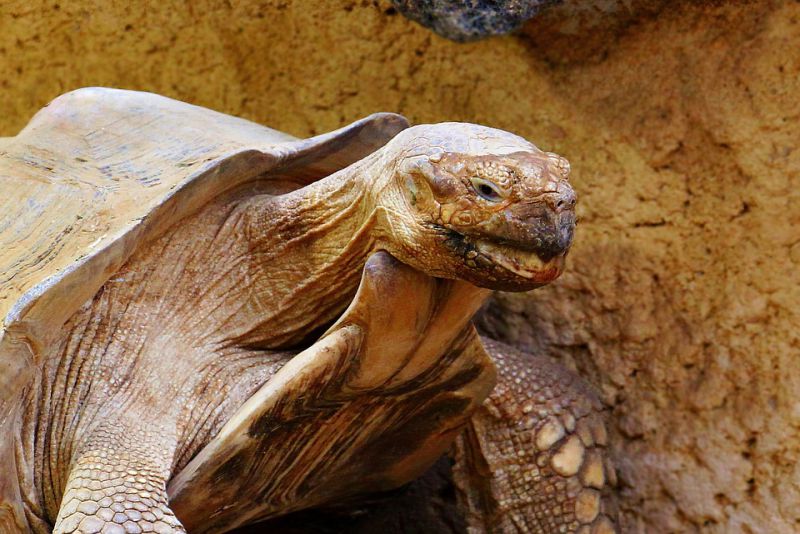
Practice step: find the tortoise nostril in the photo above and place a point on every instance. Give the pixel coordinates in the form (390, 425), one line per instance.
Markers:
(563, 201)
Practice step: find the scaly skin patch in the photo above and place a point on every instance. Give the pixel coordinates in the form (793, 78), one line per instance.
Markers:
(530, 460)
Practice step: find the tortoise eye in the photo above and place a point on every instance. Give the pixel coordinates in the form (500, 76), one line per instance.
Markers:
(486, 190)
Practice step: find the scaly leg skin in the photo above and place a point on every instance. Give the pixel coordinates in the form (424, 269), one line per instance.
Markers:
(117, 484)
(533, 457)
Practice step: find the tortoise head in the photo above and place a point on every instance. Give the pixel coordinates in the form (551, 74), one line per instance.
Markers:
(478, 204)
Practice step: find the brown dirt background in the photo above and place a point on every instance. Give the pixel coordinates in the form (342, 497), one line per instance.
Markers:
(682, 122)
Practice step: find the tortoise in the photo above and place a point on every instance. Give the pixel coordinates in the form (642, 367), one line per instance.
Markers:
(209, 323)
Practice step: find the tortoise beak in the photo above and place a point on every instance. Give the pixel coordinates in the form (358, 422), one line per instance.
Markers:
(553, 222)
(555, 228)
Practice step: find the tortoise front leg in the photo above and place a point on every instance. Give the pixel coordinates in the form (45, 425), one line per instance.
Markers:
(367, 408)
(533, 458)
(117, 483)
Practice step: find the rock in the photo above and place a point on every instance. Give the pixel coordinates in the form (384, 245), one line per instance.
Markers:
(472, 19)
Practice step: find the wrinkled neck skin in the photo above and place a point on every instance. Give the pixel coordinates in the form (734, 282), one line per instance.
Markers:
(307, 249)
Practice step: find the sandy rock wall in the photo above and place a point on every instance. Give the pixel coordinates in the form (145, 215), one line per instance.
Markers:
(682, 123)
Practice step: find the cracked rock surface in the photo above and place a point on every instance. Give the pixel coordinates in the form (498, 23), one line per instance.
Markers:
(681, 120)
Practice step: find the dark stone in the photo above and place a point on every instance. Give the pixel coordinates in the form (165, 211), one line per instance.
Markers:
(470, 20)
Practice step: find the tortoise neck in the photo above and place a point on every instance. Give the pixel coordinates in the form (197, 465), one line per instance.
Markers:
(309, 249)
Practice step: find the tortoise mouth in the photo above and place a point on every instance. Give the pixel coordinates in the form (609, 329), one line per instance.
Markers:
(498, 264)
(522, 262)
